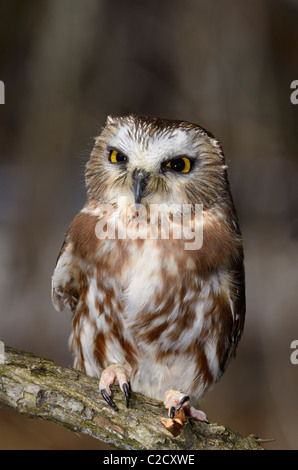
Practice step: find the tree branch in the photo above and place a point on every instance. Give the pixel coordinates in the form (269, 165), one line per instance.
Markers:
(40, 389)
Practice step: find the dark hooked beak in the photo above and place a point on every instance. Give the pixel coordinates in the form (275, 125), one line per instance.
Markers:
(140, 180)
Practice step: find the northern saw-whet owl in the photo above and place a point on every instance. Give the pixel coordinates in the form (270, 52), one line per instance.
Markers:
(149, 314)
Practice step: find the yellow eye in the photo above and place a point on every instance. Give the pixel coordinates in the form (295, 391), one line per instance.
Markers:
(182, 164)
(117, 157)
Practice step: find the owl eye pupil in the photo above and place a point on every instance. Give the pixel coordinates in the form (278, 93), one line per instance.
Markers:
(121, 158)
(181, 165)
(117, 157)
(178, 165)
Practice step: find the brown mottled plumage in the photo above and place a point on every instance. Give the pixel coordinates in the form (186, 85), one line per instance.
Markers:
(147, 311)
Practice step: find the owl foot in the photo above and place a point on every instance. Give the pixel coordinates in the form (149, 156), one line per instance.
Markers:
(113, 373)
(174, 401)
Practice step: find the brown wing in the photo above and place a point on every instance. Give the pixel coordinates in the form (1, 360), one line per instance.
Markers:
(234, 300)
(76, 255)
(66, 280)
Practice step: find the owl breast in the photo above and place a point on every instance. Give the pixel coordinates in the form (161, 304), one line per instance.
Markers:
(148, 307)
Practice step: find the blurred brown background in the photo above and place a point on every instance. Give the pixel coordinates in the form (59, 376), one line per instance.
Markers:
(225, 64)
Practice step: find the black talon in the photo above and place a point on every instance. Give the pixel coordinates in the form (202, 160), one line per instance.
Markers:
(108, 399)
(126, 392)
(182, 401)
(172, 412)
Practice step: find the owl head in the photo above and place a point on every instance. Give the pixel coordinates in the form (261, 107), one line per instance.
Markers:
(154, 161)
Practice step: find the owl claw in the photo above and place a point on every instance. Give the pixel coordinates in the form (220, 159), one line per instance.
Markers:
(109, 401)
(174, 409)
(174, 401)
(172, 412)
(126, 393)
(183, 400)
(109, 376)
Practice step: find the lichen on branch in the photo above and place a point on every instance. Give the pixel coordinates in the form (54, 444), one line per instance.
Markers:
(40, 389)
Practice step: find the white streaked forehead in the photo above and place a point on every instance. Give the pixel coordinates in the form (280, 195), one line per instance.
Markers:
(150, 149)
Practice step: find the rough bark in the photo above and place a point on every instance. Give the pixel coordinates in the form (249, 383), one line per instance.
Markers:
(40, 389)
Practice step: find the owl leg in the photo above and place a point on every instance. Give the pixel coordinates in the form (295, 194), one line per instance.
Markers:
(175, 400)
(113, 373)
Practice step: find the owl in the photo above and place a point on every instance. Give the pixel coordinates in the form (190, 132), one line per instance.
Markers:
(152, 312)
